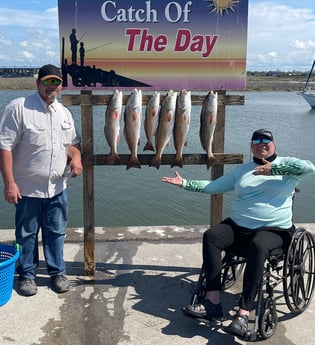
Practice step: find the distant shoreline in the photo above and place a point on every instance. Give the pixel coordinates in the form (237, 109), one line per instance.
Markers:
(253, 84)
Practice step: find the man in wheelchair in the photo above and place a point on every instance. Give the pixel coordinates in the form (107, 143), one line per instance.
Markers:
(261, 220)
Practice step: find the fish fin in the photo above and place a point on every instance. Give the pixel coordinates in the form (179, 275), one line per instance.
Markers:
(155, 162)
(169, 116)
(133, 163)
(148, 147)
(212, 119)
(115, 115)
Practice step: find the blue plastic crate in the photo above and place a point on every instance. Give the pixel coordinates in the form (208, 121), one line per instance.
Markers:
(8, 256)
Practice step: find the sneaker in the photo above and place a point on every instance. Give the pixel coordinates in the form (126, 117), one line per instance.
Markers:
(60, 283)
(27, 286)
(238, 326)
(206, 310)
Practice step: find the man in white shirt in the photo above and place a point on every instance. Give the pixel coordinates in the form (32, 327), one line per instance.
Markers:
(37, 138)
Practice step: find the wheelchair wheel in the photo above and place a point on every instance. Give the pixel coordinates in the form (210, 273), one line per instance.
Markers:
(299, 271)
(232, 267)
(268, 320)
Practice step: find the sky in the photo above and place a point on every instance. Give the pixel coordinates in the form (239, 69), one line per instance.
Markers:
(280, 34)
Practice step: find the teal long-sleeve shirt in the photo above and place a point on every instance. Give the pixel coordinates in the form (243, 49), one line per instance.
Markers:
(260, 200)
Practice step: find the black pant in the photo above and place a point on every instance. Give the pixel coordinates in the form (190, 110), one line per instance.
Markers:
(255, 245)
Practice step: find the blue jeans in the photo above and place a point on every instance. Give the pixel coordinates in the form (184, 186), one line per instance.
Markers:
(50, 215)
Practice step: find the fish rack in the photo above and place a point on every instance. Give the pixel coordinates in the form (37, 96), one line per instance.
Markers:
(86, 100)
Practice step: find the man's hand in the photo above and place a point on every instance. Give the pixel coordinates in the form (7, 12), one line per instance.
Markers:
(12, 193)
(75, 167)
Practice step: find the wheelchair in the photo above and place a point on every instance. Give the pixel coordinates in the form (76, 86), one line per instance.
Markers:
(294, 268)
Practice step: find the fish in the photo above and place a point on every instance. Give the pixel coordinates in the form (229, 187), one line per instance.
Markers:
(165, 127)
(151, 120)
(132, 120)
(181, 125)
(208, 121)
(112, 126)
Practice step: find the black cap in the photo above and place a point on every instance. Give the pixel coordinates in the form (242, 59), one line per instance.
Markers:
(49, 71)
(262, 133)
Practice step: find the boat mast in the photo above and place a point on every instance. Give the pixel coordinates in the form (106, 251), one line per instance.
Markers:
(309, 75)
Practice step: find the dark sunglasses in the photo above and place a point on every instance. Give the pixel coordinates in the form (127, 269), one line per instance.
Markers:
(50, 82)
(261, 140)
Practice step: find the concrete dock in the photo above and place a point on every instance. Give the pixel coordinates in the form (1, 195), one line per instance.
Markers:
(144, 275)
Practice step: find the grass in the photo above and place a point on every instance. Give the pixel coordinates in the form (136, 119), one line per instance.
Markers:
(254, 83)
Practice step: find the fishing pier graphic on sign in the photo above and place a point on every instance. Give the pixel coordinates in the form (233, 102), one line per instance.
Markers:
(87, 76)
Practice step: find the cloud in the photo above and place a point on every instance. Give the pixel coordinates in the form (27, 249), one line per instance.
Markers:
(33, 37)
(5, 42)
(26, 55)
(268, 58)
(282, 29)
(27, 18)
(307, 45)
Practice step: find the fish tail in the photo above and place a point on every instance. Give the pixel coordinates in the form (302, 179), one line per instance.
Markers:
(115, 158)
(133, 163)
(148, 147)
(210, 161)
(178, 162)
(112, 158)
(155, 162)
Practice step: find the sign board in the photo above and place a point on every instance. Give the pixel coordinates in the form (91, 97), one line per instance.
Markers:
(153, 44)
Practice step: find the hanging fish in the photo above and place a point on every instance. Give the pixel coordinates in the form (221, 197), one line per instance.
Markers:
(132, 119)
(151, 119)
(208, 121)
(165, 126)
(181, 126)
(112, 126)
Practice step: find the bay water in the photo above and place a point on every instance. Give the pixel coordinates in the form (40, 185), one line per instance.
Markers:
(137, 197)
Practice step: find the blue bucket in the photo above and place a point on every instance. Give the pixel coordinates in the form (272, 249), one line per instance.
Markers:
(8, 256)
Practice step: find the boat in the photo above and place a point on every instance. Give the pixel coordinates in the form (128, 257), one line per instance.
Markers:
(308, 93)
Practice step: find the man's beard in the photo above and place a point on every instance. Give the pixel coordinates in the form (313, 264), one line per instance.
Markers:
(51, 96)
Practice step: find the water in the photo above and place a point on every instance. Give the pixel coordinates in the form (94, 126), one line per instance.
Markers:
(138, 197)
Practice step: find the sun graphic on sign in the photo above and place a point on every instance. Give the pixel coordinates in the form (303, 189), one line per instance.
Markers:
(222, 6)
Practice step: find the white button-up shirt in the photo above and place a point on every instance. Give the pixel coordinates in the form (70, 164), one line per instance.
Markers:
(38, 136)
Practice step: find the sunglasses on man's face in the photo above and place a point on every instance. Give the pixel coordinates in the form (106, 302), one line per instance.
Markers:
(51, 82)
(261, 140)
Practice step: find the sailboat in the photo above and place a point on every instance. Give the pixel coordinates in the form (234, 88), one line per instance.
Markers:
(308, 93)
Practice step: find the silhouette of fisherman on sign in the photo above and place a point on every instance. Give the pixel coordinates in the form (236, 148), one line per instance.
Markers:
(74, 46)
(82, 53)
